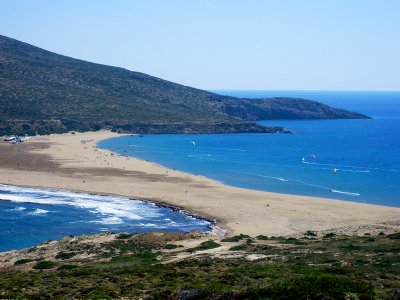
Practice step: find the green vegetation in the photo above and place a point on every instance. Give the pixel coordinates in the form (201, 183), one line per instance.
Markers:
(23, 261)
(44, 264)
(339, 268)
(204, 246)
(65, 255)
(329, 235)
(170, 246)
(137, 259)
(67, 267)
(43, 92)
(124, 235)
(236, 238)
(241, 247)
(394, 236)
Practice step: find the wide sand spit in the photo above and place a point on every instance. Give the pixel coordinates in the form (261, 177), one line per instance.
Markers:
(72, 162)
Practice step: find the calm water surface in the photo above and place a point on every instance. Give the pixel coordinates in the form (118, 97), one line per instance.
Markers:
(365, 153)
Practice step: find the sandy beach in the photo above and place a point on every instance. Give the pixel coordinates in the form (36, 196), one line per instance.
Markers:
(63, 161)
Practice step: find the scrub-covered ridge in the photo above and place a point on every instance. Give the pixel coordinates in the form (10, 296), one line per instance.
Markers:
(44, 92)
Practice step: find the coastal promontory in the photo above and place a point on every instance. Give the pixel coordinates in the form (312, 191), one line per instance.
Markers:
(43, 92)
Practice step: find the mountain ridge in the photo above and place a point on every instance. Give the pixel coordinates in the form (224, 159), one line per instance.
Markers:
(44, 92)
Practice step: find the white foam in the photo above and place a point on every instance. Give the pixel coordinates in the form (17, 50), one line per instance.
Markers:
(19, 208)
(330, 189)
(39, 212)
(266, 176)
(346, 193)
(105, 205)
(354, 171)
(151, 225)
(109, 221)
(199, 155)
(112, 209)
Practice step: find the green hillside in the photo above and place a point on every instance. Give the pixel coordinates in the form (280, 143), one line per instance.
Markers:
(44, 92)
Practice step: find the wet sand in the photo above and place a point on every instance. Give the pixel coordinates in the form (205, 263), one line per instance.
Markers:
(62, 161)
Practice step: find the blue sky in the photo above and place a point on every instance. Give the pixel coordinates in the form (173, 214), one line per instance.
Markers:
(224, 44)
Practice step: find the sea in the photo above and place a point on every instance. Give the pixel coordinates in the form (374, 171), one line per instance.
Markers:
(353, 160)
(29, 216)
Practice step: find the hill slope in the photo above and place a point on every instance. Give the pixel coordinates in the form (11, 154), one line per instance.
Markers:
(47, 92)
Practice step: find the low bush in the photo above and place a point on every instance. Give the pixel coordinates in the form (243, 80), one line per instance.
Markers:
(236, 238)
(204, 246)
(44, 264)
(394, 236)
(23, 261)
(65, 255)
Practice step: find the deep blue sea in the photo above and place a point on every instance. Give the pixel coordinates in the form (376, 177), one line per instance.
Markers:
(365, 153)
(29, 216)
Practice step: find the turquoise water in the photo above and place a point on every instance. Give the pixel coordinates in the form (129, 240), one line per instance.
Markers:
(366, 153)
(29, 216)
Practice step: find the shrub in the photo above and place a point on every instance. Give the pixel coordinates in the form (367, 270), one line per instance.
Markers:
(23, 261)
(65, 255)
(236, 238)
(44, 264)
(394, 236)
(329, 235)
(313, 287)
(310, 233)
(170, 246)
(205, 246)
(249, 241)
(67, 267)
(208, 245)
(123, 236)
(241, 247)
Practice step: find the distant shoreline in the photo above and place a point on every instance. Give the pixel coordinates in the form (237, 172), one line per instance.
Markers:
(62, 161)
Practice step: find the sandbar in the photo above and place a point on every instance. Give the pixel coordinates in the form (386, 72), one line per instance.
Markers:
(63, 161)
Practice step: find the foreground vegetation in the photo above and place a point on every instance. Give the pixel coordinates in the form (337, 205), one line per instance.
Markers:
(160, 267)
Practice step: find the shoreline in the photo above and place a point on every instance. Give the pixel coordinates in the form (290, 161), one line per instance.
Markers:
(212, 227)
(63, 161)
(220, 182)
